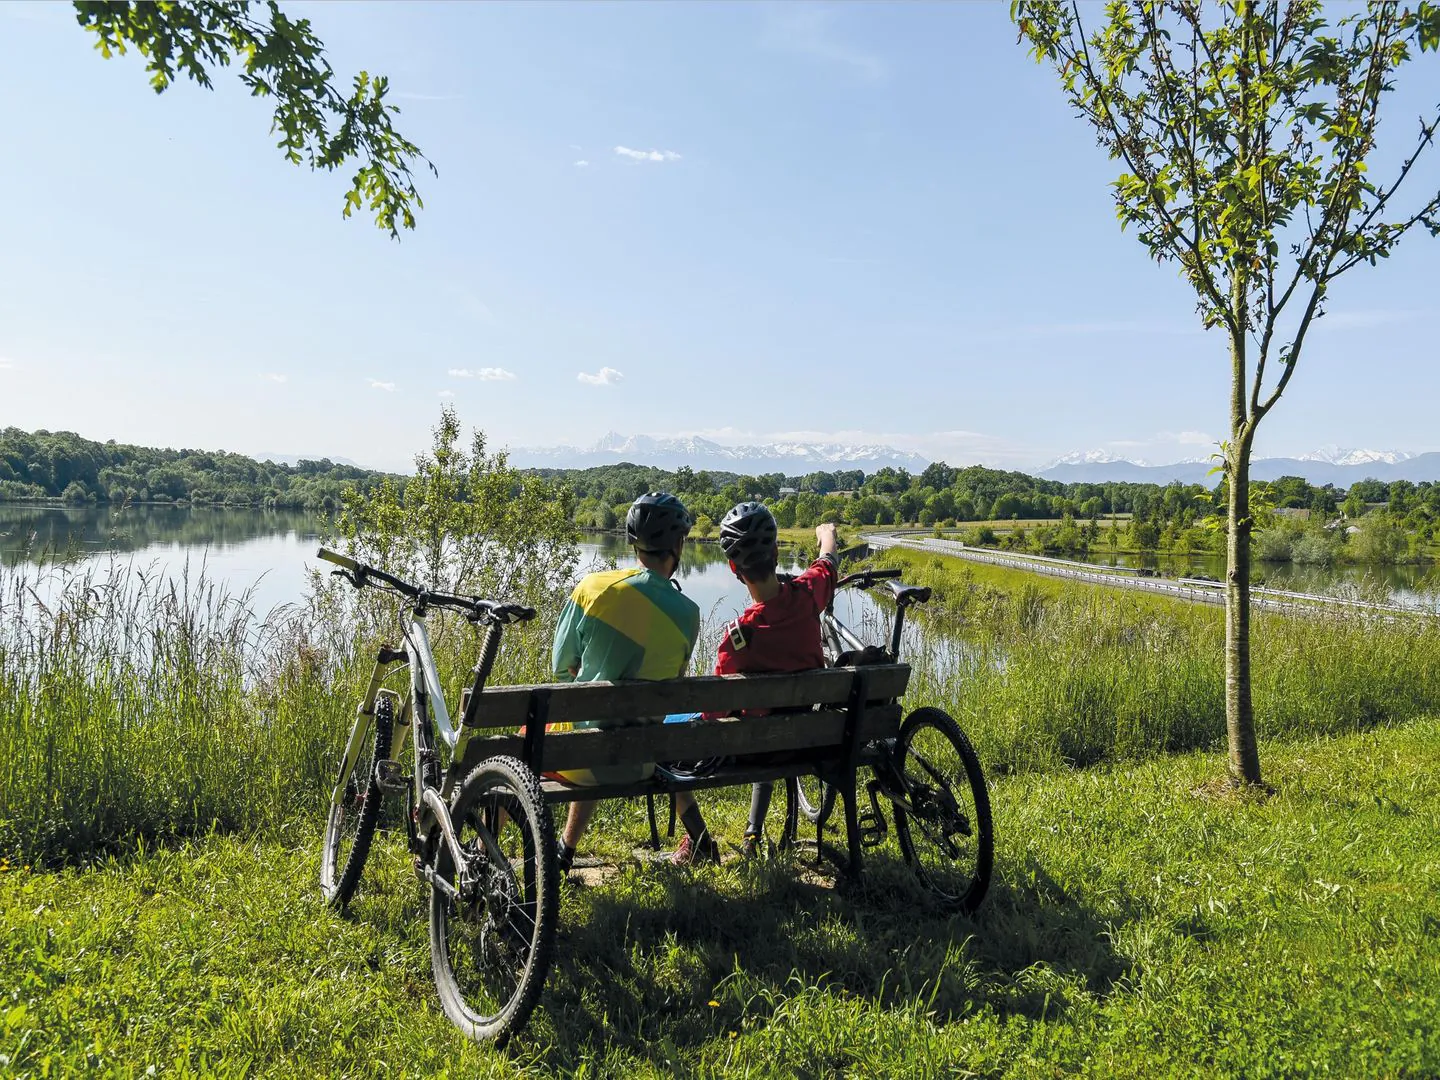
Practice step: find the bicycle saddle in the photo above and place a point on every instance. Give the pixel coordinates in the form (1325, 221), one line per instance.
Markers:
(909, 594)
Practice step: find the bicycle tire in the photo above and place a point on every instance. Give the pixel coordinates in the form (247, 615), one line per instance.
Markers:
(340, 869)
(956, 872)
(515, 918)
(814, 799)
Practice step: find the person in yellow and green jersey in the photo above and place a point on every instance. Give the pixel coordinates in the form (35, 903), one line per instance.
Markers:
(632, 624)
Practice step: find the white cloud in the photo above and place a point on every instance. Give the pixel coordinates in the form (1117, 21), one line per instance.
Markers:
(447, 393)
(581, 164)
(606, 376)
(376, 384)
(272, 376)
(647, 155)
(484, 374)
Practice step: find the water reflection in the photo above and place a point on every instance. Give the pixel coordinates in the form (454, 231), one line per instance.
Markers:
(269, 552)
(1405, 584)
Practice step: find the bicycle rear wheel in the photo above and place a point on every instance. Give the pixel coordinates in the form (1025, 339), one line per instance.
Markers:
(946, 833)
(353, 812)
(490, 944)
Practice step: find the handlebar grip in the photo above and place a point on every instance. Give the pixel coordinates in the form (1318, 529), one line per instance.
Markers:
(881, 575)
(342, 561)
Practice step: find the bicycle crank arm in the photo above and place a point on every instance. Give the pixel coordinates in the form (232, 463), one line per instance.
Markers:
(451, 893)
(441, 812)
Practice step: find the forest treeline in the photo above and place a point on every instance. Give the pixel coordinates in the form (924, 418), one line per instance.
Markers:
(62, 465)
(1141, 517)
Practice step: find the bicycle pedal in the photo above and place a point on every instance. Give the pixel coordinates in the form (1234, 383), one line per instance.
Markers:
(873, 829)
(390, 776)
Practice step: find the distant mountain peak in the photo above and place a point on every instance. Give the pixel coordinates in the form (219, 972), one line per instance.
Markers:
(1093, 457)
(669, 452)
(1345, 455)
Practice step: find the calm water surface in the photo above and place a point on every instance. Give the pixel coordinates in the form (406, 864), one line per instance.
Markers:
(270, 551)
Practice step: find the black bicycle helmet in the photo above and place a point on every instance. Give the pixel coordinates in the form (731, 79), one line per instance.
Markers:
(747, 535)
(657, 522)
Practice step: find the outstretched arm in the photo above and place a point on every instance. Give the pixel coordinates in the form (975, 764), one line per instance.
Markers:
(829, 542)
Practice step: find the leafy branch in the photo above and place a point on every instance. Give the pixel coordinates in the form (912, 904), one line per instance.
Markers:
(321, 123)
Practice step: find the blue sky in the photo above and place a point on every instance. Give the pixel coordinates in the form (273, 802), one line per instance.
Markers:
(860, 222)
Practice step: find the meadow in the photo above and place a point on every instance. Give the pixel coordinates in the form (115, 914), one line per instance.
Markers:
(163, 758)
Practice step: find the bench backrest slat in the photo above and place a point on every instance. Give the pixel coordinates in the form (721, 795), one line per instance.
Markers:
(509, 706)
(691, 741)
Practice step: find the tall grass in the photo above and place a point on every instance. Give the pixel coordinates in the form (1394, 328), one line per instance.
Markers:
(1048, 675)
(134, 706)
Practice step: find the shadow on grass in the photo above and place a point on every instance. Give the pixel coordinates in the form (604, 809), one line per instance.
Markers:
(640, 959)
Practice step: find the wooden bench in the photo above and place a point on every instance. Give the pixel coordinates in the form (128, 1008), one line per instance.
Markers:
(821, 722)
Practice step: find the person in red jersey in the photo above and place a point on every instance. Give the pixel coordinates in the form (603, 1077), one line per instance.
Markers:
(780, 630)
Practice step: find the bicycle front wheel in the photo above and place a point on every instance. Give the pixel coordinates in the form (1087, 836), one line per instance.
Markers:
(814, 799)
(354, 808)
(943, 821)
(490, 942)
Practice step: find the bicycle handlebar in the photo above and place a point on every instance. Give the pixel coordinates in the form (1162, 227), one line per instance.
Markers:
(473, 607)
(863, 579)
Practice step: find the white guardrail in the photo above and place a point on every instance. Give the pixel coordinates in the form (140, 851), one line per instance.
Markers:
(1124, 577)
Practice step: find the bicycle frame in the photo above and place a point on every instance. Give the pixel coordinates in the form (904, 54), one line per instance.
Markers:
(840, 638)
(425, 711)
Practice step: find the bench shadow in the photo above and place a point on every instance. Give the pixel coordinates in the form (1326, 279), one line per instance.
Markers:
(654, 948)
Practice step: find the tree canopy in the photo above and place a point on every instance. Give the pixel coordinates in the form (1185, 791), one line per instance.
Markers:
(1245, 130)
(322, 122)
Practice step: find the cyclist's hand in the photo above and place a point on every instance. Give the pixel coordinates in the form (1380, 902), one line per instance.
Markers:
(829, 542)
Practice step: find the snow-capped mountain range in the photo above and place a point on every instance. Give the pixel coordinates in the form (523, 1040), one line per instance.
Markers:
(1344, 455)
(790, 458)
(1338, 465)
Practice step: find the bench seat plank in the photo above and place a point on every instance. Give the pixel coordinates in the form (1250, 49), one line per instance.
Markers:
(691, 741)
(509, 706)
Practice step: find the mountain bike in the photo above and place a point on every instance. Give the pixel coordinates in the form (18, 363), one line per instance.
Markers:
(929, 774)
(477, 839)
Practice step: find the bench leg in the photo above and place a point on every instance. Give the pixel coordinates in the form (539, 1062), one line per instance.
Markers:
(852, 823)
(654, 826)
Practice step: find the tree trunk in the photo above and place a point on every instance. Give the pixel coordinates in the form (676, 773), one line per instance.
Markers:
(1239, 711)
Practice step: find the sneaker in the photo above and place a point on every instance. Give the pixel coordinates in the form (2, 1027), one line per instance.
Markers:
(750, 846)
(564, 856)
(688, 853)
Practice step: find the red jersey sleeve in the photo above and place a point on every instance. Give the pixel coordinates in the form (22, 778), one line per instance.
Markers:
(819, 582)
(732, 657)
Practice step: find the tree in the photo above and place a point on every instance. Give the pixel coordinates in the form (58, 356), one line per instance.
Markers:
(320, 124)
(465, 522)
(1244, 130)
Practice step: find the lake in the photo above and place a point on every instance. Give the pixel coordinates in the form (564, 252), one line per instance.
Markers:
(270, 551)
(1408, 584)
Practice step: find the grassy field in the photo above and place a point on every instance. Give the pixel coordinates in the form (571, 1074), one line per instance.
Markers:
(1138, 927)
(1045, 673)
(162, 761)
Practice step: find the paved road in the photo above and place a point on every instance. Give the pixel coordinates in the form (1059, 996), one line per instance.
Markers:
(1191, 589)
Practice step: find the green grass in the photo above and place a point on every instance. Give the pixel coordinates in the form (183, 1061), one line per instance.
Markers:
(1044, 673)
(137, 709)
(1138, 927)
